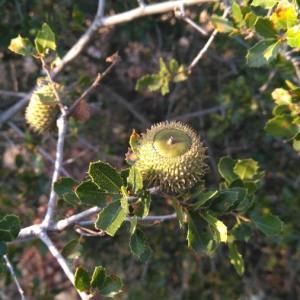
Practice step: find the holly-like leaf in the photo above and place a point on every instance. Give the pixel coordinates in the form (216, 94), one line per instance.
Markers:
(98, 277)
(9, 227)
(236, 259)
(225, 167)
(139, 246)
(265, 28)
(89, 193)
(263, 52)
(281, 126)
(293, 36)
(246, 168)
(135, 179)
(22, 46)
(64, 185)
(111, 218)
(268, 224)
(82, 279)
(45, 40)
(105, 176)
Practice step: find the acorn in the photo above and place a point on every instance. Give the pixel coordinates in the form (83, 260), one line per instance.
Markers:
(171, 155)
(42, 110)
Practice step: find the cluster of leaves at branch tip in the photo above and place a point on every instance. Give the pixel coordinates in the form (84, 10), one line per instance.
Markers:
(275, 32)
(100, 283)
(160, 81)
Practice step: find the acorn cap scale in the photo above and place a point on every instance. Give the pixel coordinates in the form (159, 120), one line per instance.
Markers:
(170, 155)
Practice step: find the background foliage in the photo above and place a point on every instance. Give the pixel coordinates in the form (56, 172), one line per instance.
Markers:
(243, 99)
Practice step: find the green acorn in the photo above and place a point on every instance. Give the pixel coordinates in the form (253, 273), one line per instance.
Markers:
(42, 110)
(170, 155)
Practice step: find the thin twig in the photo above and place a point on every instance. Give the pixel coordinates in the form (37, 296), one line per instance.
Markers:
(12, 94)
(206, 46)
(115, 58)
(14, 277)
(62, 262)
(62, 128)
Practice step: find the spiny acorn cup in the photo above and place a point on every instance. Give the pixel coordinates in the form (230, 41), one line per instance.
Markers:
(170, 155)
(42, 109)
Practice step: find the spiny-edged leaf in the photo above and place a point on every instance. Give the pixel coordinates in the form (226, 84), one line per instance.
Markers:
(45, 39)
(134, 140)
(105, 176)
(82, 279)
(264, 3)
(268, 224)
(236, 259)
(246, 168)
(112, 286)
(203, 197)
(3, 248)
(263, 52)
(89, 193)
(111, 218)
(218, 227)
(73, 250)
(9, 227)
(281, 126)
(225, 167)
(237, 14)
(64, 185)
(98, 277)
(142, 205)
(135, 179)
(181, 215)
(199, 237)
(22, 46)
(265, 28)
(293, 36)
(285, 15)
(139, 246)
(222, 24)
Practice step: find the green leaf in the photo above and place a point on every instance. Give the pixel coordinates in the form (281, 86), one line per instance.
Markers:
(112, 286)
(285, 15)
(89, 193)
(9, 227)
(267, 4)
(222, 24)
(281, 126)
(64, 185)
(225, 167)
(242, 232)
(268, 224)
(3, 248)
(236, 259)
(72, 250)
(139, 246)
(22, 46)
(293, 36)
(218, 227)
(246, 168)
(199, 237)
(180, 212)
(282, 96)
(98, 277)
(134, 140)
(150, 82)
(135, 179)
(265, 28)
(105, 176)
(262, 53)
(296, 145)
(173, 65)
(82, 280)
(237, 14)
(111, 218)
(203, 197)
(45, 40)
(142, 206)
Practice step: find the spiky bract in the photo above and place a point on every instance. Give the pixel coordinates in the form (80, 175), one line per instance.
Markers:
(170, 155)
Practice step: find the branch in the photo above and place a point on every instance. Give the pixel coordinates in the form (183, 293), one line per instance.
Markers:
(206, 46)
(62, 262)
(14, 276)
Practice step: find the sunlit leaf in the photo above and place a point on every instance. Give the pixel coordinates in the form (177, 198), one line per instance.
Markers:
(293, 36)
(45, 39)
(218, 226)
(236, 259)
(246, 168)
(21, 46)
(264, 3)
(135, 179)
